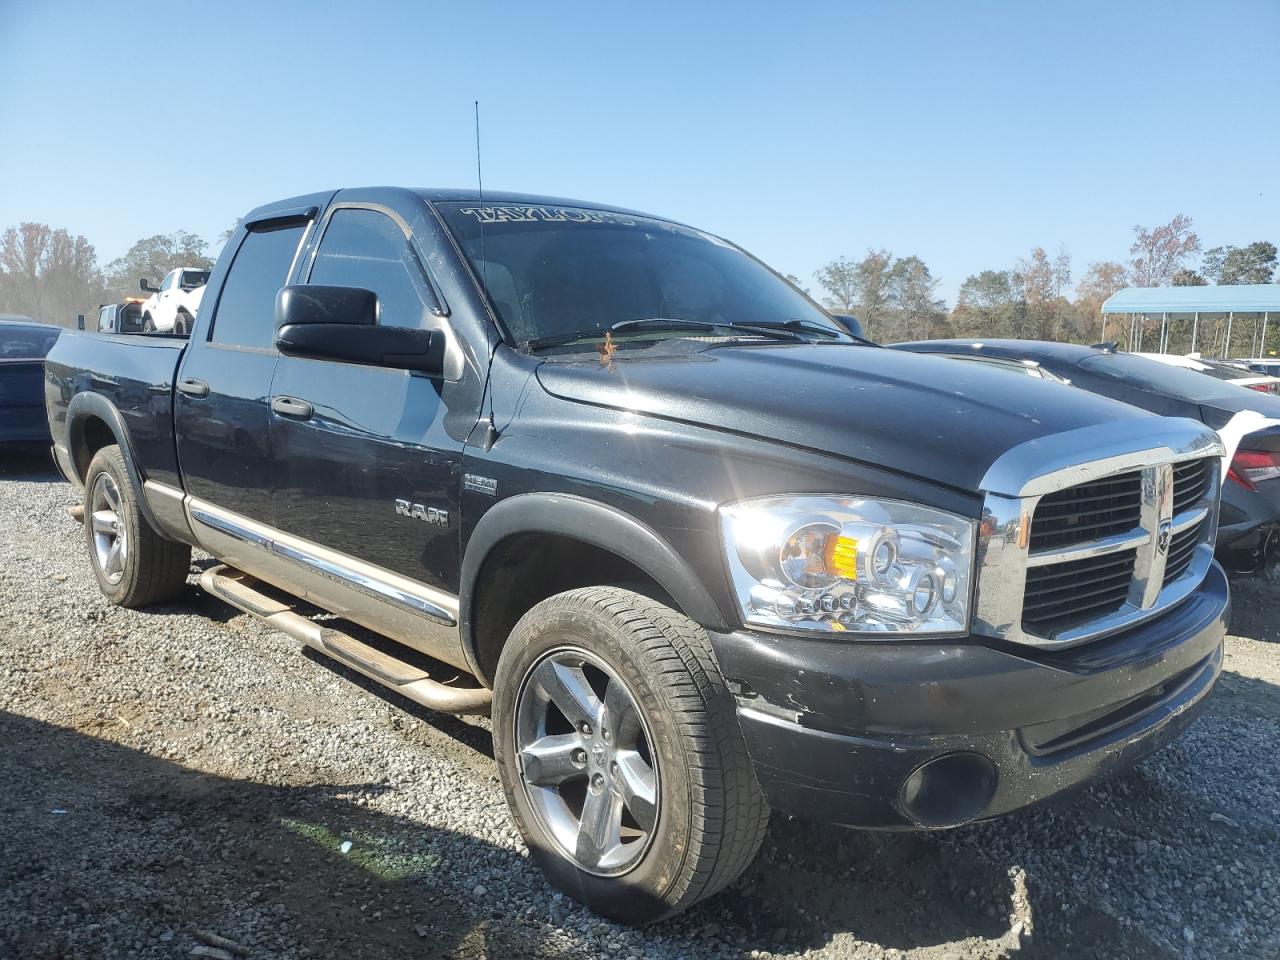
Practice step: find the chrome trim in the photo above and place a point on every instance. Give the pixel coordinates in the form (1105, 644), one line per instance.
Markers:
(1015, 483)
(414, 598)
(230, 527)
(330, 564)
(1052, 463)
(1188, 518)
(1095, 548)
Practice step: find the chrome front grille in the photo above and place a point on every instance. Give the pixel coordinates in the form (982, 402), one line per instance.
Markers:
(1088, 512)
(1072, 551)
(1191, 478)
(1076, 591)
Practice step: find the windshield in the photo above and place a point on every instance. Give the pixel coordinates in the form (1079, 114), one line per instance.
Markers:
(1152, 375)
(557, 271)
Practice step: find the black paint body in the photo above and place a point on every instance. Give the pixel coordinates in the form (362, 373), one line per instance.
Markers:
(634, 458)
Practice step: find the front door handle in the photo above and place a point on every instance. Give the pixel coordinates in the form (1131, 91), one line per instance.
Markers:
(293, 408)
(194, 388)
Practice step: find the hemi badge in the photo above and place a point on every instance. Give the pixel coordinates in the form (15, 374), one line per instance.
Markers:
(478, 484)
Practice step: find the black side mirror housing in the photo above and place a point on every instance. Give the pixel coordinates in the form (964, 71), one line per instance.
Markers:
(851, 324)
(340, 323)
(146, 286)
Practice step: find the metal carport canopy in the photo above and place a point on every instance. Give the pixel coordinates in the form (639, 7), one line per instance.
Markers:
(1226, 298)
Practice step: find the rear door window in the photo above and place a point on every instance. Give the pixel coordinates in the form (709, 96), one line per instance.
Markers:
(367, 249)
(246, 312)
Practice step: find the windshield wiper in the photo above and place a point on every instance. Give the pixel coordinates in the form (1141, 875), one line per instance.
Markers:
(777, 332)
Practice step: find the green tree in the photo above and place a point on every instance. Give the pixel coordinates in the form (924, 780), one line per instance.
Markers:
(1255, 263)
(1189, 278)
(153, 257)
(861, 287)
(985, 306)
(913, 291)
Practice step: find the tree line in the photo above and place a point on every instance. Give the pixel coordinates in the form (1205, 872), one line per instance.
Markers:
(52, 276)
(895, 297)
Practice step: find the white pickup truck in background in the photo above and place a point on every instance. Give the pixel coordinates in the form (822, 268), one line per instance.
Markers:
(171, 308)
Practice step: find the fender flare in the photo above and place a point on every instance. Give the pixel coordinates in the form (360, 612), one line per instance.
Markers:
(84, 406)
(591, 522)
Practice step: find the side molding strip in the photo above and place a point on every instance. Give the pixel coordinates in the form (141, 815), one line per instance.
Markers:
(330, 564)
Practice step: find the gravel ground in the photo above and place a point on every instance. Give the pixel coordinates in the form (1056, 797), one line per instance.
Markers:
(185, 769)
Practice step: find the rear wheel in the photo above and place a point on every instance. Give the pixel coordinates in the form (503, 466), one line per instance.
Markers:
(621, 755)
(148, 325)
(135, 566)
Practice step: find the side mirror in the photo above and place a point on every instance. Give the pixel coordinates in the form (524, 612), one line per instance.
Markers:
(851, 324)
(146, 286)
(79, 321)
(340, 323)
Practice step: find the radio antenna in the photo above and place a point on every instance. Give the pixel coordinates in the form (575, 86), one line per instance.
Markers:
(491, 428)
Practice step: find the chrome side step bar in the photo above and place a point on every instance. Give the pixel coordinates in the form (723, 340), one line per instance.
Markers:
(241, 591)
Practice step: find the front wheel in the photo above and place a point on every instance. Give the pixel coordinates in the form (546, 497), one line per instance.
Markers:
(621, 755)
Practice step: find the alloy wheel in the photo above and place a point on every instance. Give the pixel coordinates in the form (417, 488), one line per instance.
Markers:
(586, 761)
(110, 539)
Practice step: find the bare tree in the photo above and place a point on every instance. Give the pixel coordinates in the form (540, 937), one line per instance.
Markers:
(48, 273)
(1160, 253)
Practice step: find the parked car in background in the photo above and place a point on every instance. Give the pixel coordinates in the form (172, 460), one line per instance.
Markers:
(23, 346)
(123, 317)
(172, 306)
(1267, 365)
(1230, 373)
(1248, 421)
(700, 551)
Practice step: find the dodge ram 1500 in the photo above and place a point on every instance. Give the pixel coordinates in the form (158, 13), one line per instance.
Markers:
(701, 552)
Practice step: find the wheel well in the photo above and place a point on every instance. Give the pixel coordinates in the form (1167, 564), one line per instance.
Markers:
(96, 436)
(527, 568)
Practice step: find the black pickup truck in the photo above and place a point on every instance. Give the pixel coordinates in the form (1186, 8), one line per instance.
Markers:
(701, 552)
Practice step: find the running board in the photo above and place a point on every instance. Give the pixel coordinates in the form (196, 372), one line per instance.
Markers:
(241, 591)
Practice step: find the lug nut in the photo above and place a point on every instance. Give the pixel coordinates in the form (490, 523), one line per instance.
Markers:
(597, 782)
(586, 729)
(579, 757)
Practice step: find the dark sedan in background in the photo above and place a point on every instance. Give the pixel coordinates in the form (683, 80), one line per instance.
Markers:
(1249, 526)
(23, 346)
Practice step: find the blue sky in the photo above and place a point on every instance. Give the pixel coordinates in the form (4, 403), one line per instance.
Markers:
(965, 133)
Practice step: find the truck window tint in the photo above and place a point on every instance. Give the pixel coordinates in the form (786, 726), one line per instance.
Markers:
(367, 249)
(246, 315)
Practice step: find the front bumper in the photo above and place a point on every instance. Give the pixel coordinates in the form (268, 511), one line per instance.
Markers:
(921, 734)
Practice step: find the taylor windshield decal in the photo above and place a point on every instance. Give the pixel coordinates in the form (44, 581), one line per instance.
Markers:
(523, 214)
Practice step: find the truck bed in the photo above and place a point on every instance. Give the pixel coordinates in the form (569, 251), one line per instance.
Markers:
(135, 374)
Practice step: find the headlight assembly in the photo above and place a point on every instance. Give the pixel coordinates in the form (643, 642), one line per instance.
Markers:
(844, 564)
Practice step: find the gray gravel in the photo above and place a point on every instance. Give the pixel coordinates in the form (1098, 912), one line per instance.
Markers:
(185, 770)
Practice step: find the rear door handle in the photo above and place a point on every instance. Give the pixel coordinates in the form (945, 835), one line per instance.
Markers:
(293, 408)
(194, 388)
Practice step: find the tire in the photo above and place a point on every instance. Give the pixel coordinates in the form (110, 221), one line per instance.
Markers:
(146, 568)
(707, 816)
(148, 324)
(182, 323)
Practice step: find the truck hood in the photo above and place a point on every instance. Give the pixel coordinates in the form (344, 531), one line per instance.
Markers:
(936, 418)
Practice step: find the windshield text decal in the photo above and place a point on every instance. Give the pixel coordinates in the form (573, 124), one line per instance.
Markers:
(523, 214)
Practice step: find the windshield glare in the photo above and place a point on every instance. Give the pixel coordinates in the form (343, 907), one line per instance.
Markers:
(554, 271)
